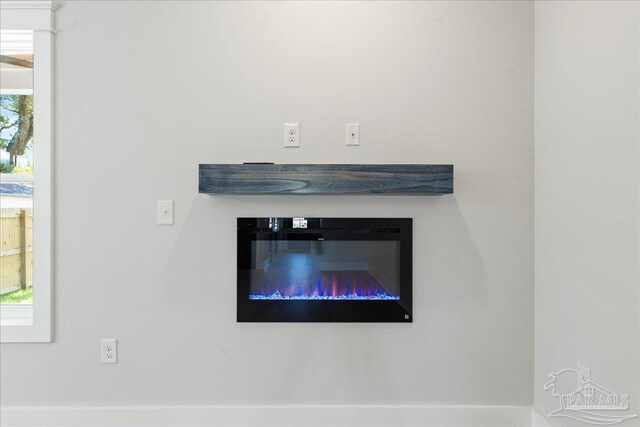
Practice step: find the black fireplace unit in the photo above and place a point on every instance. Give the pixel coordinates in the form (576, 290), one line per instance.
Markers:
(324, 269)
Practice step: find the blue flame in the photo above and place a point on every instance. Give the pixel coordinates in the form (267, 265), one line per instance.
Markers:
(315, 296)
(302, 284)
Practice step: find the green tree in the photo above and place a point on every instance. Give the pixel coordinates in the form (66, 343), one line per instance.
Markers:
(22, 125)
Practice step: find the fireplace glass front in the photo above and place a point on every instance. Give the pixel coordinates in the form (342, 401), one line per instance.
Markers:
(324, 269)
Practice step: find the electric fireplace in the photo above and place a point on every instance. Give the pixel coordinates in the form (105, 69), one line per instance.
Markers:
(324, 270)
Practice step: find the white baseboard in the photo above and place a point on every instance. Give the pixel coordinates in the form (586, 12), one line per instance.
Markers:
(539, 420)
(270, 416)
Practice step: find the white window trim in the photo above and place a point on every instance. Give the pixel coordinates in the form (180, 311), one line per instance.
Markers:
(16, 92)
(37, 16)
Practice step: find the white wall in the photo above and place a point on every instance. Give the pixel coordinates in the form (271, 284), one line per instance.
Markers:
(145, 91)
(586, 176)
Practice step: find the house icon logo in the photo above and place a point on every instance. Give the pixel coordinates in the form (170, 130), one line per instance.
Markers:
(588, 402)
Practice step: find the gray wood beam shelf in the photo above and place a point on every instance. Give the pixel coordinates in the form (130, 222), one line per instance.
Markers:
(263, 178)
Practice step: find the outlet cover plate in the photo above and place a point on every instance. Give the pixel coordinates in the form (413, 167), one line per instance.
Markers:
(109, 350)
(292, 135)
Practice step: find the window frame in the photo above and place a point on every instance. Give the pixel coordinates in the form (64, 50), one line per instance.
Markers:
(37, 16)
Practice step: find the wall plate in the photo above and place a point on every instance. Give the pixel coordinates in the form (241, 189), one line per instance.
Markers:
(353, 134)
(292, 134)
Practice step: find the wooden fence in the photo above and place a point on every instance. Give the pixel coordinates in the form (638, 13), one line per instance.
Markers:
(16, 249)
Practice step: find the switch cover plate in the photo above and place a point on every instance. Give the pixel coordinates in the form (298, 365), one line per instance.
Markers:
(165, 212)
(353, 134)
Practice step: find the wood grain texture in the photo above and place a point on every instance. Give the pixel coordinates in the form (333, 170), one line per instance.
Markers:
(326, 179)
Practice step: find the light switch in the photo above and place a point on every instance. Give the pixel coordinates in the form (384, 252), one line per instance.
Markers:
(165, 212)
(353, 134)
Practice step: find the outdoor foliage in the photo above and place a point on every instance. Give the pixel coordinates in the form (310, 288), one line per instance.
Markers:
(21, 296)
(16, 124)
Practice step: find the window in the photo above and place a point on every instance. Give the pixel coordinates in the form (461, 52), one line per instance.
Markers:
(16, 176)
(26, 39)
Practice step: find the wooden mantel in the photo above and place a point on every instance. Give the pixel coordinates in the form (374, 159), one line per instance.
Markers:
(267, 178)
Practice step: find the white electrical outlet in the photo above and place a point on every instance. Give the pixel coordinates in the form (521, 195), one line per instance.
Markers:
(292, 134)
(165, 212)
(353, 134)
(109, 350)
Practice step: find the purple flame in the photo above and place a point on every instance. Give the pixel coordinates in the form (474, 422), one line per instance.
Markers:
(322, 285)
